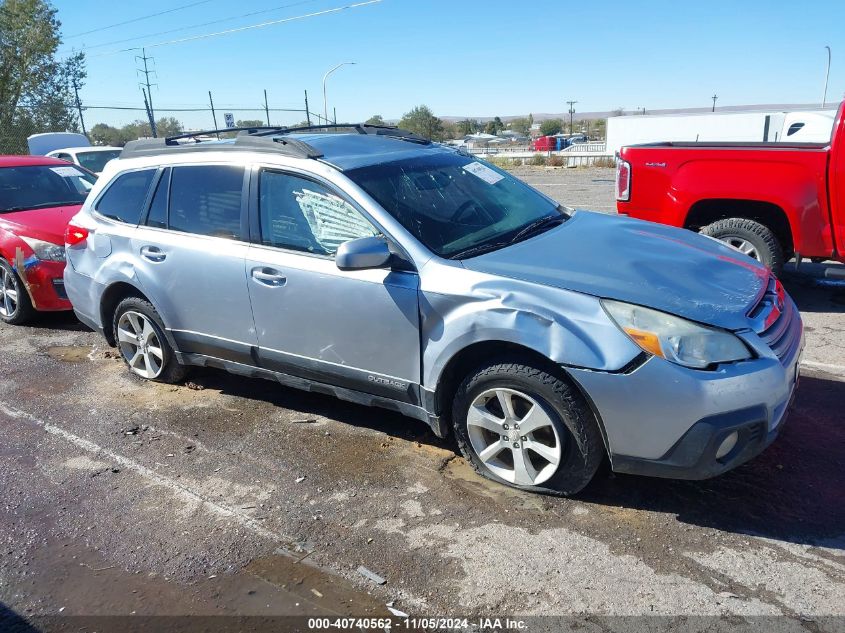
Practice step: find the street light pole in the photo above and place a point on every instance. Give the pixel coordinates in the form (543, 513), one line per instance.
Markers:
(826, 76)
(326, 76)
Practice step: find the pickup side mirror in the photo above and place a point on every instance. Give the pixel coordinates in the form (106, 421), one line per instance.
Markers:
(363, 253)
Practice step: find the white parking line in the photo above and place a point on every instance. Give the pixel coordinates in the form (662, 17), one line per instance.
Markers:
(178, 489)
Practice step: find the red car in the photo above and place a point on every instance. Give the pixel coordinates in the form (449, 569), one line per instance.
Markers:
(38, 195)
(772, 201)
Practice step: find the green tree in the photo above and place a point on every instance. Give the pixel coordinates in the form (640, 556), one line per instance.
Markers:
(550, 127)
(450, 130)
(521, 125)
(421, 120)
(36, 89)
(375, 120)
(495, 126)
(238, 123)
(468, 126)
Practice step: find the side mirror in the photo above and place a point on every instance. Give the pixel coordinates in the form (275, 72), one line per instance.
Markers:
(363, 253)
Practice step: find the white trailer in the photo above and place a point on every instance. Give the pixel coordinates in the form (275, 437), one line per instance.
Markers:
(809, 126)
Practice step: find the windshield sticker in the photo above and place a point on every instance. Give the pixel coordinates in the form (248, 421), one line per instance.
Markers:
(484, 172)
(66, 172)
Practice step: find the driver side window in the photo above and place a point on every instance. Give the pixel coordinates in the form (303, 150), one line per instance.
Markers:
(300, 214)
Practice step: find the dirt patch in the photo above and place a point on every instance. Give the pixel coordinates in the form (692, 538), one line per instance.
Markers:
(70, 353)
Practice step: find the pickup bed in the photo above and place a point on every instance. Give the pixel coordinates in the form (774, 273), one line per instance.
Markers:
(773, 201)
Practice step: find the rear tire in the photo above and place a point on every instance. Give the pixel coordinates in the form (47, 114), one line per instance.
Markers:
(139, 334)
(750, 237)
(15, 305)
(546, 442)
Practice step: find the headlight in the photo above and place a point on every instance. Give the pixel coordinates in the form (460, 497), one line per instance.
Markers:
(46, 250)
(675, 339)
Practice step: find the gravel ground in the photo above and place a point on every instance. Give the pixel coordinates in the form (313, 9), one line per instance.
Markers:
(126, 497)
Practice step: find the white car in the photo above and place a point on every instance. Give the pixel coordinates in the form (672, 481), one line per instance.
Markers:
(91, 158)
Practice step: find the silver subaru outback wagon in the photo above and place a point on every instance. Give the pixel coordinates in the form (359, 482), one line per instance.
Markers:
(390, 271)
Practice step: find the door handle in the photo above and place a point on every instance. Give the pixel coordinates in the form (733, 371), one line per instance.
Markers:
(153, 253)
(269, 277)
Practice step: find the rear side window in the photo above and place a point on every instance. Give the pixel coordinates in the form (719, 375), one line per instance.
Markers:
(157, 216)
(125, 197)
(206, 200)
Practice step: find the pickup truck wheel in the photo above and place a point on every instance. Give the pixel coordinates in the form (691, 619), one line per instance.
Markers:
(751, 238)
(524, 427)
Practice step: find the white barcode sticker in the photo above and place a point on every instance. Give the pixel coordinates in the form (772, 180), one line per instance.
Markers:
(484, 172)
(66, 172)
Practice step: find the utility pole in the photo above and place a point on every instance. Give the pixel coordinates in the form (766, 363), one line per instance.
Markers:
(148, 97)
(826, 76)
(79, 107)
(213, 114)
(149, 113)
(571, 114)
(714, 97)
(266, 108)
(307, 111)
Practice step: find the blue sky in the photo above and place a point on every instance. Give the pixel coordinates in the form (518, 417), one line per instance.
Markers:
(461, 57)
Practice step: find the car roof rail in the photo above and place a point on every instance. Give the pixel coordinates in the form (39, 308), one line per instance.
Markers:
(276, 144)
(361, 128)
(269, 138)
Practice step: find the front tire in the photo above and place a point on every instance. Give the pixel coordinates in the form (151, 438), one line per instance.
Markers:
(139, 334)
(751, 238)
(522, 426)
(15, 305)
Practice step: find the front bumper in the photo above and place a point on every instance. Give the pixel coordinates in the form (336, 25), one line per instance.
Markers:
(665, 420)
(45, 283)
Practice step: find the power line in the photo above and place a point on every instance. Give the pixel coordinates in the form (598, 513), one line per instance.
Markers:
(196, 26)
(246, 28)
(143, 17)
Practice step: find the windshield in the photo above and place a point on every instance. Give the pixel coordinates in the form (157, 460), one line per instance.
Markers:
(42, 186)
(457, 206)
(95, 161)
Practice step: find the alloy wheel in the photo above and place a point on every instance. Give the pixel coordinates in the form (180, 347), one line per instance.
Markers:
(513, 435)
(139, 344)
(742, 245)
(8, 293)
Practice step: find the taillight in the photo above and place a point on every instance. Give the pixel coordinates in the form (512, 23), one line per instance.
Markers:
(75, 235)
(623, 180)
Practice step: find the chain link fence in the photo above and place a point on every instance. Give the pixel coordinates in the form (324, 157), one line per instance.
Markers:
(127, 123)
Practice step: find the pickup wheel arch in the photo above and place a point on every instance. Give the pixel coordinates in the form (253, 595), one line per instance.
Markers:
(747, 235)
(771, 216)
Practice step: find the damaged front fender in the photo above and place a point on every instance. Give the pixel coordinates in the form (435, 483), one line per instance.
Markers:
(460, 307)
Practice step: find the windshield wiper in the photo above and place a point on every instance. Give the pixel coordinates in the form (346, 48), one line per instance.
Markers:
(480, 249)
(538, 226)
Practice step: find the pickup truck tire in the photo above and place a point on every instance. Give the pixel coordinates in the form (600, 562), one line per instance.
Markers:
(558, 455)
(749, 234)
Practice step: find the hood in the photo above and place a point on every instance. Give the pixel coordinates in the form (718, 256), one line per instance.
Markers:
(653, 265)
(43, 224)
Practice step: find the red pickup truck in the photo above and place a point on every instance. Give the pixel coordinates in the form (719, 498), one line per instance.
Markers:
(773, 201)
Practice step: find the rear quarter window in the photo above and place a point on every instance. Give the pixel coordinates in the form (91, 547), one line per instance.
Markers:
(124, 198)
